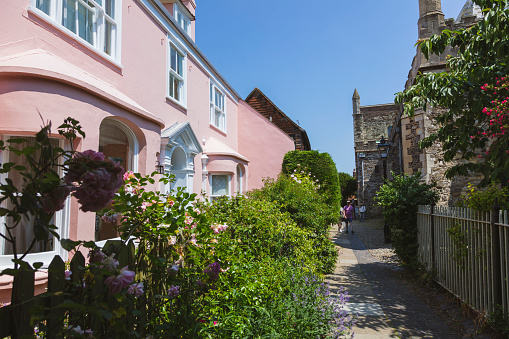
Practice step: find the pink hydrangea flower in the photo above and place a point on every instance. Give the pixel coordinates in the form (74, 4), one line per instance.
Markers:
(68, 275)
(121, 281)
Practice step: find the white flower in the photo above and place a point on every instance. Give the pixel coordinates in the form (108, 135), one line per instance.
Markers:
(173, 240)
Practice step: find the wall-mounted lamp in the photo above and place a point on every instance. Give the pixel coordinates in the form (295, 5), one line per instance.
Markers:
(159, 167)
(383, 147)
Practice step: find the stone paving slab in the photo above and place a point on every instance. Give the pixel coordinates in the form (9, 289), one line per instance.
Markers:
(372, 321)
(404, 310)
(371, 308)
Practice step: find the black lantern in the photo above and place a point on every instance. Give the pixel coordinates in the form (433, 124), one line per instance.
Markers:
(383, 148)
(159, 167)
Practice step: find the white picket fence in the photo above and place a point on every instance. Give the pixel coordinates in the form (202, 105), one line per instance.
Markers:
(473, 261)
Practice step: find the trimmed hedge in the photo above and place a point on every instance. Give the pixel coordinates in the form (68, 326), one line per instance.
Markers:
(321, 166)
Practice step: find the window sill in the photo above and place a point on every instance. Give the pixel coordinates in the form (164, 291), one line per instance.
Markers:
(217, 129)
(105, 57)
(178, 103)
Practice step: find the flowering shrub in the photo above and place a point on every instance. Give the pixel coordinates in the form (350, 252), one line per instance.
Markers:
(94, 179)
(190, 260)
(273, 299)
(308, 208)
(483, 200)
(258, 230)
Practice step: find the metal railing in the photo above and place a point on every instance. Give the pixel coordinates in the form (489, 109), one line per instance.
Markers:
(469, 252)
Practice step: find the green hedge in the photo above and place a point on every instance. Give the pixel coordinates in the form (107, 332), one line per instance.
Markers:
(321, 166)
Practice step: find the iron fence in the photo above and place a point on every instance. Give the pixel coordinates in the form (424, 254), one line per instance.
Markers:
(468, 251)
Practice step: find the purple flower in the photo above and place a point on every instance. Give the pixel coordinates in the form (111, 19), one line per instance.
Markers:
(93, 155)
(174, 291)
(54, 200)
(213, 271)
(95, 179)
(121, 281)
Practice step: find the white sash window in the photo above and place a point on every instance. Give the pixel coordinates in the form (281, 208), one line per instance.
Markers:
(97, 22)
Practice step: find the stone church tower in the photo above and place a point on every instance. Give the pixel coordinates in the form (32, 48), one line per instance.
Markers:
(405, 133)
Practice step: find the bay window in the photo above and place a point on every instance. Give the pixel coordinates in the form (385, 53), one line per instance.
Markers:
(219, 186)
(94, 21)
(44, 250)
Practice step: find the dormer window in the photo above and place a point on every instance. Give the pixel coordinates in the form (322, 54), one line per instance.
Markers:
(182, 19)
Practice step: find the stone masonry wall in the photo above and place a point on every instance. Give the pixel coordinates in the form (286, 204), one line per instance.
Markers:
(370, 124)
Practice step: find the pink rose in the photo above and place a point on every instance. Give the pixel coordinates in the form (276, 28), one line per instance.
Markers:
(121, 281)
(136, 289)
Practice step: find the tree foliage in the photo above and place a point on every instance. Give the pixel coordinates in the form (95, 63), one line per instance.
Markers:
(399, 199)
(348, 186)
(321, 166)
(475, 92)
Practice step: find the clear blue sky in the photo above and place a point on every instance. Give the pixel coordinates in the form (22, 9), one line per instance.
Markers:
(309, 56)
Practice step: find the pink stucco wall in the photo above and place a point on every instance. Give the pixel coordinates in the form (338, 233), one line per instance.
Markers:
(262, 143)
(44, 70)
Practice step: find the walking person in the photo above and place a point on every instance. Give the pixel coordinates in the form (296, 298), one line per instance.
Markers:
(362, 211)
(348, 214)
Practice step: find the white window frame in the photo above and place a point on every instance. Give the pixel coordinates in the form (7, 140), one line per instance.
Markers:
(181, 18)
(134, 146)
(182, 101)
(62, 218)
(228, 189)
(215, 110)
(240, 178)
(99, 21)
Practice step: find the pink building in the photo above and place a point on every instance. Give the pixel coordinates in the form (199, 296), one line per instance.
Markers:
(130, 72)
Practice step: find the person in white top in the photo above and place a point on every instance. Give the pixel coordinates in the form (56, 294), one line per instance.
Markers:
(362, 211)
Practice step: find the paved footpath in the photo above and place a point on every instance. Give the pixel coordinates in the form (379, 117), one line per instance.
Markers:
(386, 307)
